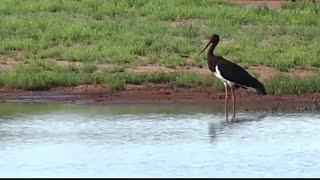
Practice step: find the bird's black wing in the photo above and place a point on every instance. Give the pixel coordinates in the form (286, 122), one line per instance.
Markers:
(234, 73)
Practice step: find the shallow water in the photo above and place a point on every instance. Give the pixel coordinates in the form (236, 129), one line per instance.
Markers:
(62, 140)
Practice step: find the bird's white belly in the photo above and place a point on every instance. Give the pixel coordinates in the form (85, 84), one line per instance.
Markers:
(225, 81)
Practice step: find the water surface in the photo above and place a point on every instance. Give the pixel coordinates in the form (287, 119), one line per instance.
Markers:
(63, 140)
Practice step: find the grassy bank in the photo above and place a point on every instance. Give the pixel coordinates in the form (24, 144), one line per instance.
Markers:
(43, 76)
(128, 33)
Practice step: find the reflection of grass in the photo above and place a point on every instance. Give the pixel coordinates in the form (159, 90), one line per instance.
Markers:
(22, 109)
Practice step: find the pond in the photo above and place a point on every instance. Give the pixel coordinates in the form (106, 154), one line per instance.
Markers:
(67, 140)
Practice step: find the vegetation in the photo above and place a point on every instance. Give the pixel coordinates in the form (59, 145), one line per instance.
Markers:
(42, 76)
(283, 84)
(128, 33)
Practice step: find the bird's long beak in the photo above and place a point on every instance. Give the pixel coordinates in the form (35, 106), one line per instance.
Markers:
(205, 48)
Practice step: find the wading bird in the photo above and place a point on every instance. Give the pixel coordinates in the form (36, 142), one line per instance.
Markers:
(230, 74)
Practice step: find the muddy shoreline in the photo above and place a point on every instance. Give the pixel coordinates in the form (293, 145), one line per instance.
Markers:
(162, 95)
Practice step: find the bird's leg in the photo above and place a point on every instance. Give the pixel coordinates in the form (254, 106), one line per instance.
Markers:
(233, 102)
(226, 102)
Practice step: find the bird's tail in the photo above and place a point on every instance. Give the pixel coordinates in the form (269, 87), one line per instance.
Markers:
(258, 87)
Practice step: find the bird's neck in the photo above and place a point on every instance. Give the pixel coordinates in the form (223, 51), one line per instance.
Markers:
(211, 49)
(212, 59)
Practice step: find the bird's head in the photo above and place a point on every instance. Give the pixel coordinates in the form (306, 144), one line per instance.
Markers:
(213, 39)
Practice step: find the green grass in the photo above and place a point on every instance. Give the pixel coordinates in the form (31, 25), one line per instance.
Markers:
(119, 32)
(39, 75)
(43, 75)
(282, 84)
(174, 79)
(89, 68)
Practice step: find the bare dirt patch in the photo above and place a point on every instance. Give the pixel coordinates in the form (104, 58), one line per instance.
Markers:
(65, 63)
(104, 66)
(268, 72)
(182, 22)
(195, 69)
(299, 72)
(155, 68)
(7, 65)
(274, 4)
(264, 72)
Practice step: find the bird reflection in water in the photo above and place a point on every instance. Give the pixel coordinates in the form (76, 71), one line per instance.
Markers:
(222, 127)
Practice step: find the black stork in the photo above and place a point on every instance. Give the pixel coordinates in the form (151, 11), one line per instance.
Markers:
(230, 74)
